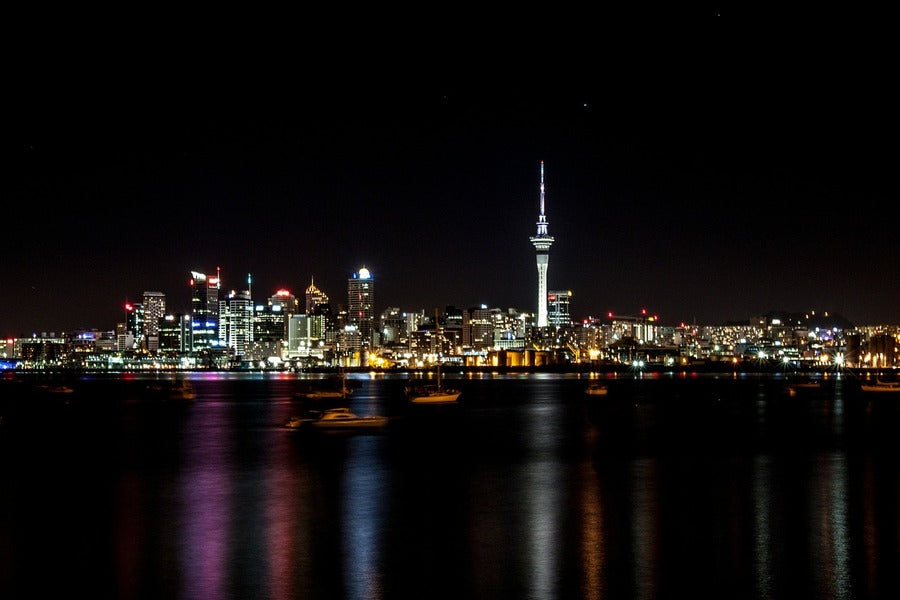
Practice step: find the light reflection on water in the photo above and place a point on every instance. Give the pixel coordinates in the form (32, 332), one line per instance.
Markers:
(207, 505)
(762, 508)
(366, 483)
(645, 526)
(526, 489)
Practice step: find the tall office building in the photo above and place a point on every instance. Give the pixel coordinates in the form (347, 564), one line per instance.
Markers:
(175, 334)
(236, 322)
(542, 242)
(360, 305)
(131, 330)
(393, 328)
(154, 310)
(558, 308)
(204, 310)
(478, 333)
(314, 297)
(286, 301)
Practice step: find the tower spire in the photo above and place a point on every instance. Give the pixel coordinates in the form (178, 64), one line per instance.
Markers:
(542, 188)
(542, 242)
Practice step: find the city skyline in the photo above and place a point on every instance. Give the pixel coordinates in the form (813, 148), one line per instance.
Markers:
(705, 191)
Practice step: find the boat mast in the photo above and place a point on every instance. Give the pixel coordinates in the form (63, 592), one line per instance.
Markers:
(439, 340)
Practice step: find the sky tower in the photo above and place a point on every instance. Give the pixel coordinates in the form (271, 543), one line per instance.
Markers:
(542, 242)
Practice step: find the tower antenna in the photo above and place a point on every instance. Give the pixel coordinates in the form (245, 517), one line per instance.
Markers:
(542, 189)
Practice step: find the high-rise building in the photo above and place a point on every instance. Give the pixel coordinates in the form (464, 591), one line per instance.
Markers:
(175, 334)
(285, 299)
(314, 297)
(542, 242)
(154, 310)
(393, 328)
(134, 325)
(236, 322)
(269, 331)
(306, 335)
(360, 305)
(478, 333)
(204, 310)
(558, 308)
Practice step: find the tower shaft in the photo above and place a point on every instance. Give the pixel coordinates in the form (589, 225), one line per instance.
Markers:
(542, 242)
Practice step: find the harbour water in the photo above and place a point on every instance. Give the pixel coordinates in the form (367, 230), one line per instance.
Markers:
(673, 485)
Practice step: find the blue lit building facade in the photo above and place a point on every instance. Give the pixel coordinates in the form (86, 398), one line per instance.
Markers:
(204, 311)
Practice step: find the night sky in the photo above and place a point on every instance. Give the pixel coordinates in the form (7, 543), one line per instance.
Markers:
(705, 185)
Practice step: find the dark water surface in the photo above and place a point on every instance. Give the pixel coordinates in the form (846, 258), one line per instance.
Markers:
(672, 486)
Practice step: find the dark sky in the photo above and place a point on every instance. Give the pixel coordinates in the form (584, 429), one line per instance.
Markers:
(705, 184)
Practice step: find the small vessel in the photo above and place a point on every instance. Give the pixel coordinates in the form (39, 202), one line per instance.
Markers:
(183, 390)
(59, 389)
(344, 419)
(173, 390)
(296, 422)
(596, 389)
(323, 392)
(420, 393)
(792, 389)
(881, 386)
(807, 385)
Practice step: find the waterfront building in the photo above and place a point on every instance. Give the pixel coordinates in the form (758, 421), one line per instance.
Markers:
(509, 329)
(46, 350)
(643, 329)
(542, 242)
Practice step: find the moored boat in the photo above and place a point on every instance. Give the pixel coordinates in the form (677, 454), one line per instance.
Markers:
(596, 389)
(423, 393)
(879, 386)
(325, 391)
(181, 389)
(344, 419)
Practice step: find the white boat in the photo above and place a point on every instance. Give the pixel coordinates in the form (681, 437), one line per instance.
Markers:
(881, 386)
(420, 393)
(596, 389)
(345, 419)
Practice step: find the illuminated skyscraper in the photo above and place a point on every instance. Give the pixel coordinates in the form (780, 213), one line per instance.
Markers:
(204, 310)
(236, 322)
(360, 305)
(542, 242)
(287, 303)
(558, 308)
(154, 310)
(314, 297)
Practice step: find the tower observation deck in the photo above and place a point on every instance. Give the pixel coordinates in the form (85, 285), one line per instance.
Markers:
(542, 242)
